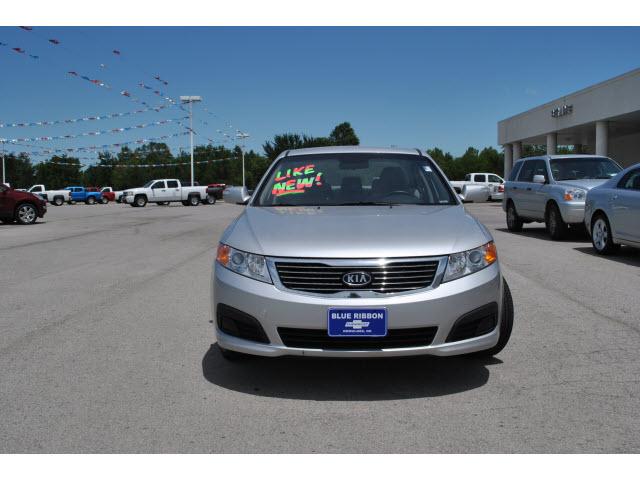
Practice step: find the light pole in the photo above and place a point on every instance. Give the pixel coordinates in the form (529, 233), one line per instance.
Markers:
(191, 99)
(241, 136)
(4, 180)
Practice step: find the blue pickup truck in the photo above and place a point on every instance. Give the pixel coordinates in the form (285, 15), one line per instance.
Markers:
(82, 194)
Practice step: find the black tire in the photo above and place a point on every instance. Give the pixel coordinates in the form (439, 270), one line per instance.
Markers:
(104, 201)
(556, 227)
(232, 356)
(193, 200)
(58, 201)
(506, 323)
(26, 214)
(140, 201)
(90, 200)
(601, 237)
(210, 200)
(514, 222)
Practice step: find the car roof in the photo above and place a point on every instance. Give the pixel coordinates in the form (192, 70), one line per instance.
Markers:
(352, 149)
(560, 157)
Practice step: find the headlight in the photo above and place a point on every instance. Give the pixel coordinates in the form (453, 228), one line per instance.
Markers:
(466, 263)
(575, 194)
(247, 264)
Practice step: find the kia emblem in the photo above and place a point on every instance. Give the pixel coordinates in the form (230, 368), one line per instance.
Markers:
(356, 279)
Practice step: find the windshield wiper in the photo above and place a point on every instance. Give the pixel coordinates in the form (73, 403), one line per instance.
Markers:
(348, 204)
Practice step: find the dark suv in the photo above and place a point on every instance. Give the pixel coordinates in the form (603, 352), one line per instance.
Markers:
(22, 207)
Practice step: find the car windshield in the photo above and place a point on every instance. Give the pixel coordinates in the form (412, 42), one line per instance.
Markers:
(148, 184)
(583, 168)
(342, 179)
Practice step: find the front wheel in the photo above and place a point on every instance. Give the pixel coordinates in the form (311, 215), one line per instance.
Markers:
(90, 201)
(210, 200)
(601, 237)
(556, 227)
(140, 201)
(104, 201)
(506, 323)
(26, 214)
(514, 222)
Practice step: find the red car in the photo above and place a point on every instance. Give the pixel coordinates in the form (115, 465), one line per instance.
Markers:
(22, 207)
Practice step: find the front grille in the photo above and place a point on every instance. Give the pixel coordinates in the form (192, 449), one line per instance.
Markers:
(393, 277)
(475, 324)
(319, 339)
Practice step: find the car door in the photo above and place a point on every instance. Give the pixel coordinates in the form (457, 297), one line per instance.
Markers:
(159, 191)
(625, 204)
(523, 187)
(511, 187)
(539, 192)
(173, 190)
(6, 203)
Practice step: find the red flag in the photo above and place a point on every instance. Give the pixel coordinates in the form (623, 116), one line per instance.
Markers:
(54, 41)
(18, 49)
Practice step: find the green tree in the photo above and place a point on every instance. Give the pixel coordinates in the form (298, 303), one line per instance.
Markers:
(344, 134)
(19, 172)
(59, 172)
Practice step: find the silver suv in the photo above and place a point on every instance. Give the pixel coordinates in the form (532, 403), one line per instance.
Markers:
(553, 189)
(357, 252)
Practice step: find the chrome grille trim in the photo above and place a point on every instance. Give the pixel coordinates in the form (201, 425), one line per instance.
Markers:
(322, 277)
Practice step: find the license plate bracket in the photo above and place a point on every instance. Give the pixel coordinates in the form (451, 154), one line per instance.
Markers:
(356, 322)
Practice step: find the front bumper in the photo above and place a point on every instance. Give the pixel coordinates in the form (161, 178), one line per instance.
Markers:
(572, 212)
(439, 307)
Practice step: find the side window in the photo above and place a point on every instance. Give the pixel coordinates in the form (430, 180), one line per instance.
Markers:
(481, 178)
(467, 177)
(540, 168)
(514, 171)
(37, 189)
(526, 173)
(159, 184)
(631, 181)
(172, 184)
(495, 179)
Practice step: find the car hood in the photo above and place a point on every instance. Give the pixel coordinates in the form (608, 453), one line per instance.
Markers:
(355, 232)
(586, 184)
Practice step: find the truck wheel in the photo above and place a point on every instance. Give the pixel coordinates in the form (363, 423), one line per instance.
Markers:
(104, 201)
(57, 201)
(210, 200)
(556, 227)
(514, 222)
(193, 200)
(90, 200)
(140, 201)
(26, 214)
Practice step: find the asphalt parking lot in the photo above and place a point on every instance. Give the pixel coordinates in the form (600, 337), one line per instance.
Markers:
(106, 346)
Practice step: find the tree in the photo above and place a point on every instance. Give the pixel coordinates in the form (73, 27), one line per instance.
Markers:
(18, 170)
(59, 172)
(344, 134)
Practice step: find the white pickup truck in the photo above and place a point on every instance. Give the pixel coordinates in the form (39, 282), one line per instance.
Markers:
(164, 191)
(494, 183)
(56, 197)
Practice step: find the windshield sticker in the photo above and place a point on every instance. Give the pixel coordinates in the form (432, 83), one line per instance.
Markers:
(296, 180)
(427, 168)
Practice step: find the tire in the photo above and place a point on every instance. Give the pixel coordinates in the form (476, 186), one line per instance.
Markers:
(556, 227)
(514, 222)
(506, 323)
(58, 201)
(193, 201)
(90, 200)
(26, 214)
(104, 201)
(210, 200)
(232, 356)
(140, 201)
(601, 237)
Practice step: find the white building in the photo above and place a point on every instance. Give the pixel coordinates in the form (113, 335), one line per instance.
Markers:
(603, 119)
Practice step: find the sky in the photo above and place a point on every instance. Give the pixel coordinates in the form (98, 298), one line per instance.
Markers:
(410, 87)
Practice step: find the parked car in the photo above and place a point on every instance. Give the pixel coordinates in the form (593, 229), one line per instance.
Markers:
(552, 189)
(357, 252)
(474, 193)
(216, 189)
(612, 212)
(111, 194)
(56, 197)
(494, 182)
(90, 196)
(22, 207)
(164, 191)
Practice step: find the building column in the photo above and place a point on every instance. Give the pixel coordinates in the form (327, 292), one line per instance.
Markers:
(517, 150)
(552, 143)
(508, 159)
(602, 138)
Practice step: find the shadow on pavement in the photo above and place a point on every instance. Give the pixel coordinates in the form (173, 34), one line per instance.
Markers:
(626, 255)
(574, 234)
(347, 379)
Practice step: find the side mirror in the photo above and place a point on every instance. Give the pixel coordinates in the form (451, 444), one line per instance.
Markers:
(539, 179)
(237, 195)
(475, 193)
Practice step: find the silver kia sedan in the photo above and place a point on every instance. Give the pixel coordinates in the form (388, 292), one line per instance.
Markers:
(612, 212)
(358, 252)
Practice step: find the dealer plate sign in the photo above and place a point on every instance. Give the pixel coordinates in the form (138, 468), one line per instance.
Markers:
(357, 322)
